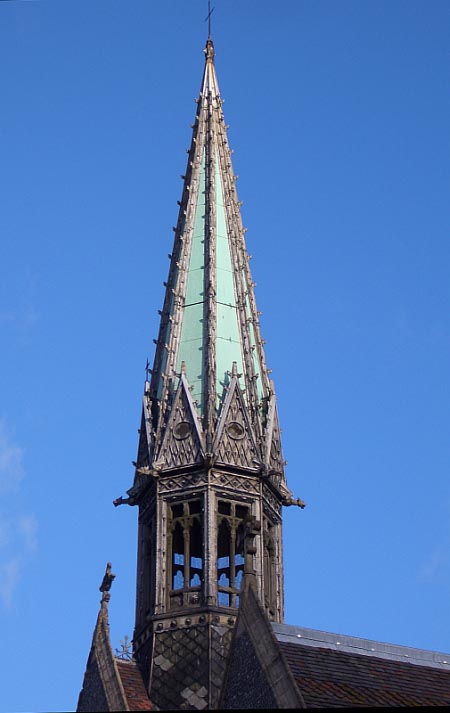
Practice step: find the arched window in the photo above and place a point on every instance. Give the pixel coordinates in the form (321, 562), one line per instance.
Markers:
(185, 550)
(230, 551)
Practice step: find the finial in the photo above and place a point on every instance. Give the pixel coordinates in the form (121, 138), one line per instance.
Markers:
(209, 48)
(208, 18)
(105, 586)
(126, 652)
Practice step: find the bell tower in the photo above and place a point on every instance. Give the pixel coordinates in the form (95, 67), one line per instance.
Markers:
(209, 468)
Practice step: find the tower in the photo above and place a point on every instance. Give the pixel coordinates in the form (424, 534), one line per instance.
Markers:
(209, 480)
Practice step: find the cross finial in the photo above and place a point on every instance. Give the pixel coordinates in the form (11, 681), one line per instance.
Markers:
(208, 18)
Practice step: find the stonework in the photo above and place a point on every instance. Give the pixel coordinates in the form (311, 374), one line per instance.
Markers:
(93, 697)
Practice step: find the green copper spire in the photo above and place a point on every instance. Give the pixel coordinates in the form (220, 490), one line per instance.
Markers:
(209, 321)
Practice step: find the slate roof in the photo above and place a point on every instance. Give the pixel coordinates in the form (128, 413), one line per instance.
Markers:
(133, 686)
(334, 671)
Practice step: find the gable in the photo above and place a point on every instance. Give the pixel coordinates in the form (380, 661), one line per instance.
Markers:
(247, 685)
(144, 450)
(181, 444)
(102, 688)
(274, 454)
(92, 696)
(234, 442)
(257, 675)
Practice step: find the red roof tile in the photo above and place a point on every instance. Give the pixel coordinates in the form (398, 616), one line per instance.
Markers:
(334, 679)
(133, 685)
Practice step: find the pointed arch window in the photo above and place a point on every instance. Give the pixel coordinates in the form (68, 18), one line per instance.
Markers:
(185, 554)
(230, 551)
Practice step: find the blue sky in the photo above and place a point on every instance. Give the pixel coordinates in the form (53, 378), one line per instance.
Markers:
(339, 116)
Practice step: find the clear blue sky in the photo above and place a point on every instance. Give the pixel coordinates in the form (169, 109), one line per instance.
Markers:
(339, 114)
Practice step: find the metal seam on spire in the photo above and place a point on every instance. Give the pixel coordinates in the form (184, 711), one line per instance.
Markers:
(210, 325)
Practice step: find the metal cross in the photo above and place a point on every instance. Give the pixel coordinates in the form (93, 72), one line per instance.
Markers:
(208, 17)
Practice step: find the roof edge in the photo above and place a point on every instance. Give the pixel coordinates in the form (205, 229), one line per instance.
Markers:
(365, 647)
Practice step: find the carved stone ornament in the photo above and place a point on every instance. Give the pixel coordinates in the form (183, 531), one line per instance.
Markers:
(182, 430)
(235, 430)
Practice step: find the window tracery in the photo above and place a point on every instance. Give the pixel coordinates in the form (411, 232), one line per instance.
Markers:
(185, 547)
(230, 551)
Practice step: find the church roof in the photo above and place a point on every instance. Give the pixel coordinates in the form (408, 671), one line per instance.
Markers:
(333, 671)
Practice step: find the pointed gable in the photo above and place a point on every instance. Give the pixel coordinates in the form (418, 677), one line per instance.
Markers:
(257, 675)
(110, 684)
(273, 455)
(145, 446)
(235, 442)
(182, 442)
(102, 688)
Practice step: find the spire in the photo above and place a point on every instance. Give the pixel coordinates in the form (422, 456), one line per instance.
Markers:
(209, 320)
(209, 478)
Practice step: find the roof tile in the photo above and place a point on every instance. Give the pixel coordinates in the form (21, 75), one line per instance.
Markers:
(133, 685)
(335, 679)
